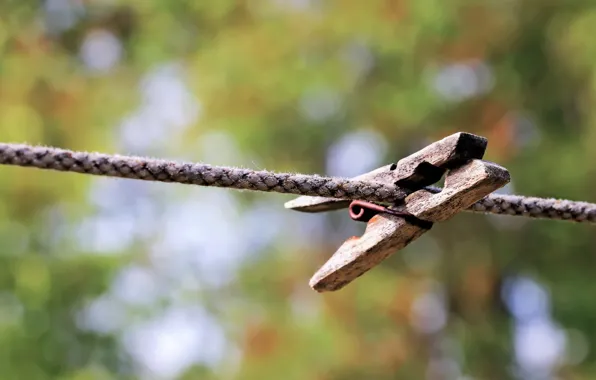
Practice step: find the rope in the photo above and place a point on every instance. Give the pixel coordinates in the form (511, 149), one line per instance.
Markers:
(533, 207)
(196, 174)
(245, 179)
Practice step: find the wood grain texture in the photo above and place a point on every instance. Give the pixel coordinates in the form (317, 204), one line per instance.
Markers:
(464, 186)
(411, 173)
(385, 234)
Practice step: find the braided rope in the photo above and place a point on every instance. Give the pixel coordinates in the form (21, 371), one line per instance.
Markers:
(196, 174)
(533, 207)
(245, 179)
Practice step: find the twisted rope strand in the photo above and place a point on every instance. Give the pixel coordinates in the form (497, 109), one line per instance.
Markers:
(533, 207)
(149, 169)
(245, 179)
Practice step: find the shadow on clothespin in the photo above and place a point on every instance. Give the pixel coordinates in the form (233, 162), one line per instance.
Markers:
(391, 228)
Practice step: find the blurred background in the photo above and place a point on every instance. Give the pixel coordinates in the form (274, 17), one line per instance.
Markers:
(120, 279)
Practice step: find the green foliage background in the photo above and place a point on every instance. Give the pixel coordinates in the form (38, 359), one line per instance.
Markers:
(257, 68)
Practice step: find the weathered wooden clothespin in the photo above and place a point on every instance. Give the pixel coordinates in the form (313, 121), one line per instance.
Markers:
(391, 228)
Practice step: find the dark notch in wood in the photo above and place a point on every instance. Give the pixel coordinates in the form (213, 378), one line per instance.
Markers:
(428, 165)
(424, 174)
(468, 147)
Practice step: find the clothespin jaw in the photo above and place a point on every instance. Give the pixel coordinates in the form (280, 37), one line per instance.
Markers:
(411, 173)
(390, 229)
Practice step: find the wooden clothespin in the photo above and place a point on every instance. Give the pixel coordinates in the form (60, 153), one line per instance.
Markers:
(391, 228)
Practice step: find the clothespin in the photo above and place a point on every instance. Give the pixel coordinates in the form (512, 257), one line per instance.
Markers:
(392, 227)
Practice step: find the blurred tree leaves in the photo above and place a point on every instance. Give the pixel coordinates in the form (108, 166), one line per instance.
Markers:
(287, 79)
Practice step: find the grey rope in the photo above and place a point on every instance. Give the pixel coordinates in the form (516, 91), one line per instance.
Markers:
(533, 207)
(245, 179)
(196, 174)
